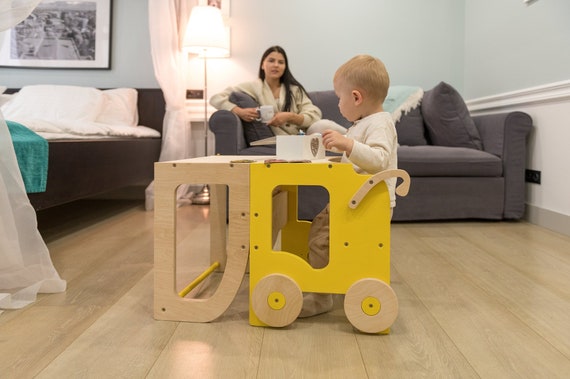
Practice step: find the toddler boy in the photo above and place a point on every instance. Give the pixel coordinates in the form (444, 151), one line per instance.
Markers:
(370, 144)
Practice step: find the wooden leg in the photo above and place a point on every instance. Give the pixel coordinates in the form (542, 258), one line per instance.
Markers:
(168, 305)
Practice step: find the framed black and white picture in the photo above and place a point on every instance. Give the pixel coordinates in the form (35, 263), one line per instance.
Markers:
(61, 34)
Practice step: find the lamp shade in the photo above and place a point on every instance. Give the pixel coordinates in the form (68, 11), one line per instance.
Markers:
(206, 34)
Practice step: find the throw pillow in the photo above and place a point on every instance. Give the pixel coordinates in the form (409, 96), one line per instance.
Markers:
(447, 118)
(255, 130)
(55, 102)
(410, 128)
(119, 107)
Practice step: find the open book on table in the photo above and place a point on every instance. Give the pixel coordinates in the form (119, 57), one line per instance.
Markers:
(265, 141)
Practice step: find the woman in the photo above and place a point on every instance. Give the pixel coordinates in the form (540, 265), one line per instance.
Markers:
(276, 86)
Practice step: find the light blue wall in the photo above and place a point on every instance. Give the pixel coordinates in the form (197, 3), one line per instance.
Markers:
(482, 47)
(511, 46)
(131, 63)
(420, 41)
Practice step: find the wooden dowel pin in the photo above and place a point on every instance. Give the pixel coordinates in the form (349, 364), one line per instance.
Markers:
(199, 279)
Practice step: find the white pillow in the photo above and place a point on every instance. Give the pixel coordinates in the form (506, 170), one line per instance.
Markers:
(55, 102)
(119, 107)
(4, 97)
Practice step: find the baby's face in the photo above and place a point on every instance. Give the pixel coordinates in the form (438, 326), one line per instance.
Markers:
(346, 100)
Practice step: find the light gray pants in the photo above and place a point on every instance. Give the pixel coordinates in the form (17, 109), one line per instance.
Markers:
(319, 239)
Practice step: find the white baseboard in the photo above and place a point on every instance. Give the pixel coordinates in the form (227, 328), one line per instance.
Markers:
(548, 219)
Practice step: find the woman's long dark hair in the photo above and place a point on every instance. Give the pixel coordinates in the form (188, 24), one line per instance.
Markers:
(287, 78)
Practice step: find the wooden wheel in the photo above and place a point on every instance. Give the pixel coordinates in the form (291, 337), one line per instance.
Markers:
(277, 300)
(371, 305)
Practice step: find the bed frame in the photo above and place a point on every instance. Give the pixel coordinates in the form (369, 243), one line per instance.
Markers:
(83, 168)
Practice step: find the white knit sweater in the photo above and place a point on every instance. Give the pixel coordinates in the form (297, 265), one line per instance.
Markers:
(261, 92)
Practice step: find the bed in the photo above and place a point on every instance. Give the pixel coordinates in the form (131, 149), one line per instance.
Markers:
(86, 163)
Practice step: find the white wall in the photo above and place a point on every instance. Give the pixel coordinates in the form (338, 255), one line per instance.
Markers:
(510, 46)
(421, 42)
(481, 47)
(517, 57)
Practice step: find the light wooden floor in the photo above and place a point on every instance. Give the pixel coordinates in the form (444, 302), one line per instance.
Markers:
(477, 300)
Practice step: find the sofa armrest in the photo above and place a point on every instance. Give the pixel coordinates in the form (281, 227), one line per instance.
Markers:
(505, 135)
(228, 130)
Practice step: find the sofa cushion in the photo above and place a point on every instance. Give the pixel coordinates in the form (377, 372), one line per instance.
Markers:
(448, 161)
(411, 130)
(255, 130)
(447, 118)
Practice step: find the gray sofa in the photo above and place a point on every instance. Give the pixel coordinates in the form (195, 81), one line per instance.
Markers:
(461, 167)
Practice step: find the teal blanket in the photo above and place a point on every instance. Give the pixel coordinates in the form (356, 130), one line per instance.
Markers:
(32, 155)
(401, 99)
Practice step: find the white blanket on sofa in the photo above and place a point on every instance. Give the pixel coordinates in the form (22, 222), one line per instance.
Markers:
(73, 129)
(59, 111)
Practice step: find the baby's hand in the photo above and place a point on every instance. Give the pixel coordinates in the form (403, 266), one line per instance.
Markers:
(333, 140)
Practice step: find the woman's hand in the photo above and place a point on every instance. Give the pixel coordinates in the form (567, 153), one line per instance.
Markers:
(246, 114)
(282, 118)
(333, 140)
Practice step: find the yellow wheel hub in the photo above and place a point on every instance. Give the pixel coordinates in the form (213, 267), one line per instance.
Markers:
(371, 306)
(276, 300)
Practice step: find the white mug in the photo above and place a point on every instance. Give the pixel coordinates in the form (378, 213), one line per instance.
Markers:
(266, 113)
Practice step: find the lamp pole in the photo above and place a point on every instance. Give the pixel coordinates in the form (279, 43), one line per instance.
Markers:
(203, 197)
(205, 34)
(205, 103)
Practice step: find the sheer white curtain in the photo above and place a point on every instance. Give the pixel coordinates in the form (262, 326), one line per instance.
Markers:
(167, 23)
(25, 264)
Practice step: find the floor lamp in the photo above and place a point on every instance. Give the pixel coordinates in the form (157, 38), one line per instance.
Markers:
(205, 36)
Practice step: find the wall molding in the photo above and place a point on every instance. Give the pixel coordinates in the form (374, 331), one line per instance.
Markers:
(552, 92)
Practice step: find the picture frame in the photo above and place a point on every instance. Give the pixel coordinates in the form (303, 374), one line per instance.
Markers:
(61, 34)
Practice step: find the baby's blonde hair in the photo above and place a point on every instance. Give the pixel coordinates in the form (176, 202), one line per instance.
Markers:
(367, 74)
